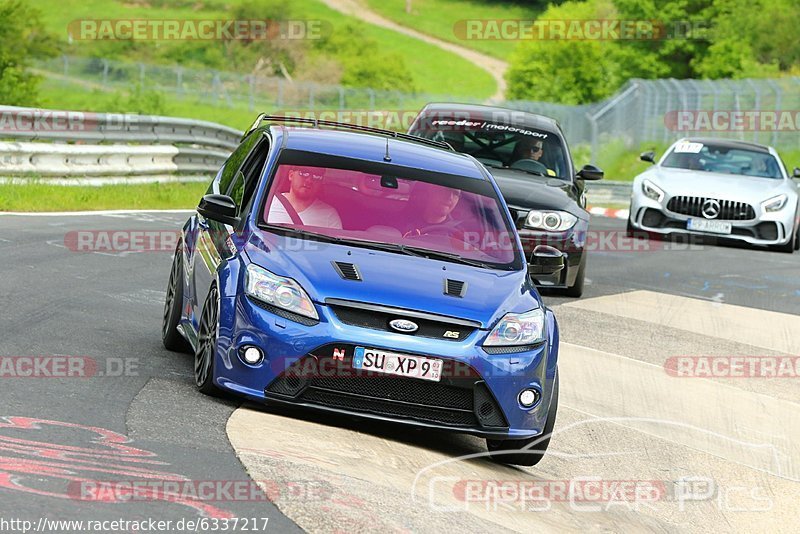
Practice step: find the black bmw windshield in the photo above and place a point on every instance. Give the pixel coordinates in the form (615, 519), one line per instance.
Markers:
(501, 145)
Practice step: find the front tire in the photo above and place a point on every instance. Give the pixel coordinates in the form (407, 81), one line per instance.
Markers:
(576, 289)
(173, 308)
(207, 345)
(792, 245)
(534, 448)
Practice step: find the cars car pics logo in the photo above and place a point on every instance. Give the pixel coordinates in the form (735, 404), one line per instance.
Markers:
(404, 325)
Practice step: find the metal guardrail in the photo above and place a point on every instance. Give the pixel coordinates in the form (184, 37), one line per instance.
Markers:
(77, 148)
(80, 147)
(608, 192)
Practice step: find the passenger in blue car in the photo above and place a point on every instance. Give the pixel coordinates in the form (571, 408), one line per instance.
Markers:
(301, 204)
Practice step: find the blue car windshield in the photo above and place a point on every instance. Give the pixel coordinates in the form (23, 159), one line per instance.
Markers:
(451, 215)
(708, 157)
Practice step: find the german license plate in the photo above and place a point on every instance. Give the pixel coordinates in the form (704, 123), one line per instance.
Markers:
(391, 363)
(705, 225)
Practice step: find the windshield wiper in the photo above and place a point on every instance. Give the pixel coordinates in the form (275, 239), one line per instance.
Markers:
(389, 247)
(419, 252)
(305, 233)
(449, 256)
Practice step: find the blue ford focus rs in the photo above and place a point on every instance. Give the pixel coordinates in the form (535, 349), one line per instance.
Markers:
(368, 273)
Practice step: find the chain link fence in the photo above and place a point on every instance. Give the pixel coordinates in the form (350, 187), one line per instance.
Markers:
(765, 111)
(223, 89)
(643, 111)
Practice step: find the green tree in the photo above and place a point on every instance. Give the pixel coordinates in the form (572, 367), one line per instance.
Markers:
(21, 39)
(577, 71)
(362, 62)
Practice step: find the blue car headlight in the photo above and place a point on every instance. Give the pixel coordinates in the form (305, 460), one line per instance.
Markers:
(518, 329)
(278, 291)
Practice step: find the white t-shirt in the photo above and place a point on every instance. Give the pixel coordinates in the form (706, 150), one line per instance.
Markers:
(317, 214)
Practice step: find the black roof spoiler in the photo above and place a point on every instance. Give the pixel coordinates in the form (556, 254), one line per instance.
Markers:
(316, 123)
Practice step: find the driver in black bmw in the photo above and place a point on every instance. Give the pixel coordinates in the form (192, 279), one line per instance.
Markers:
(529, 158)
(530, 149)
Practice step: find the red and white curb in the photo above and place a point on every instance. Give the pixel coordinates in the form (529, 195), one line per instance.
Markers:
(609, 212)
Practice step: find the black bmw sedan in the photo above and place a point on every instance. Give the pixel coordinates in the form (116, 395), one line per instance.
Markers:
(529, 158)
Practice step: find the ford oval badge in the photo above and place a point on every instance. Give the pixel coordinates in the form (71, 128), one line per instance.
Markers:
(403, 325)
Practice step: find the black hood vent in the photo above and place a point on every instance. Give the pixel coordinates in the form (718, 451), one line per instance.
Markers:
(348, 271)
(454, 288)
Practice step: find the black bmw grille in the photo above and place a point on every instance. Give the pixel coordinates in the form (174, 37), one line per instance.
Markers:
(729, 210)
(461, 398)
(378, 318)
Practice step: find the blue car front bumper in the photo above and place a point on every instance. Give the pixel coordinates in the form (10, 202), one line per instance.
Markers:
(310, 365)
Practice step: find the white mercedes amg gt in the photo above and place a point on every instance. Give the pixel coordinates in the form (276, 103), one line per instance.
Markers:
(730, 189)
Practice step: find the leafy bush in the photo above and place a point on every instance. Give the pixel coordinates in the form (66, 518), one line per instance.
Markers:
(20, 40)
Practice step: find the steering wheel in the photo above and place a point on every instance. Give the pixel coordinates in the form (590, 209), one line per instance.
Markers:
(530, 165)
(437, 229)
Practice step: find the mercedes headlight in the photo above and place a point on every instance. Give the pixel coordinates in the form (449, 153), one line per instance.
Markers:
(651, 190)
(278, 291)
(774, 204)
(552, 221)
(518, 329)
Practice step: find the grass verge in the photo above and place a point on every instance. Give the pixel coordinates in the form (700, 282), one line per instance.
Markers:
(439, 17)
(38, 197)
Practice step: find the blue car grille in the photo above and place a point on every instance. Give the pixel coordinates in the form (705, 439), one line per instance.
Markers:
(460, 399)
(378, 319)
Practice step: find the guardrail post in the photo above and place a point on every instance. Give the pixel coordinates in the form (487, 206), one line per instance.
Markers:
(341, 97)
(141, 75)
(251, 97)
(371, 99)
(593, 134)
(105, 72)
(279, 101)
(311, 96)
(179, 81)
(778, 98)
(66, 65)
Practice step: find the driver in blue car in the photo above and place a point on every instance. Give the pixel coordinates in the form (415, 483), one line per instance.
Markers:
(302, 201)
(435, 204)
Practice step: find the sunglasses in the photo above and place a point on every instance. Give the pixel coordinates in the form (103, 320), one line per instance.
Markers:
(305, 175)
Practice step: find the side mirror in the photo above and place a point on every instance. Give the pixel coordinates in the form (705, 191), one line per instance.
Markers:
(219, 208)
(590, 172)
(796, 173)
(649, 157)
(547, 260)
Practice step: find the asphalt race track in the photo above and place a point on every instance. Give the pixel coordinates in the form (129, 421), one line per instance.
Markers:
(638, 445)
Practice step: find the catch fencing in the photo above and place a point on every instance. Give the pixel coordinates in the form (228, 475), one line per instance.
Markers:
(643, 111)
